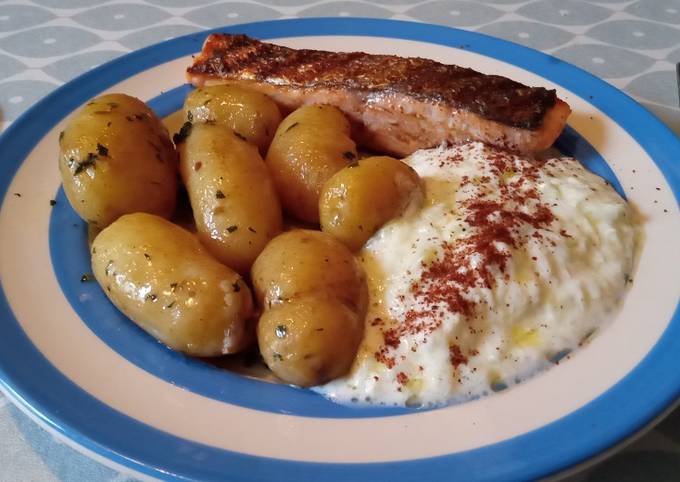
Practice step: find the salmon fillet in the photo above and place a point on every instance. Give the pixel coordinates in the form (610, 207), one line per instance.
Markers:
(396, 105)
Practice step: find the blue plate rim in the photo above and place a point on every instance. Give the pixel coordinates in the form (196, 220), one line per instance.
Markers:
(608, 419)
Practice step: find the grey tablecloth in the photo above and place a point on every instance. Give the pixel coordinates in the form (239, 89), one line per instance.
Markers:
(634, 45)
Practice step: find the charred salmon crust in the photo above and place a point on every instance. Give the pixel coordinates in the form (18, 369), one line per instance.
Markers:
(466, 104)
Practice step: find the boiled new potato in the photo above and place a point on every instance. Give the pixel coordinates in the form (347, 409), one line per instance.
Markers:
(231, 193)
(322, 116)
(250, 114)
(309, 340)
(162, 278)
(313, 294)
(302, 261)
(310, 145)
(115, 158)
(359, 199)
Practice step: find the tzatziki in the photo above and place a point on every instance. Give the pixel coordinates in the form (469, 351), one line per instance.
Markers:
(509, 264)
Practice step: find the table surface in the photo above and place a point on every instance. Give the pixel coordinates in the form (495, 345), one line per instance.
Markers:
(634, 45)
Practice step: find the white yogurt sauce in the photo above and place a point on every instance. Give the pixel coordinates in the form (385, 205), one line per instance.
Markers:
(509, 264)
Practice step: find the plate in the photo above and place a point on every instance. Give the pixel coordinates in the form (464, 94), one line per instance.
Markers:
(70, 360)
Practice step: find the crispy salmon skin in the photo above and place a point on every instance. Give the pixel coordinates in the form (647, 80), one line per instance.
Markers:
(397, 105)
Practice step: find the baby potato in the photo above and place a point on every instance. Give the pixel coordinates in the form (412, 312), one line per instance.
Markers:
(359, 199)
(314, 295)
(251, 114)
(302, 261)
(318, 116)
(115, 157)
(310, 340)
(231, 193)
(310, 145)
(162, 278)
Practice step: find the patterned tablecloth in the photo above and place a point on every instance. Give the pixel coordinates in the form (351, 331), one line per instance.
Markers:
(634, 45)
